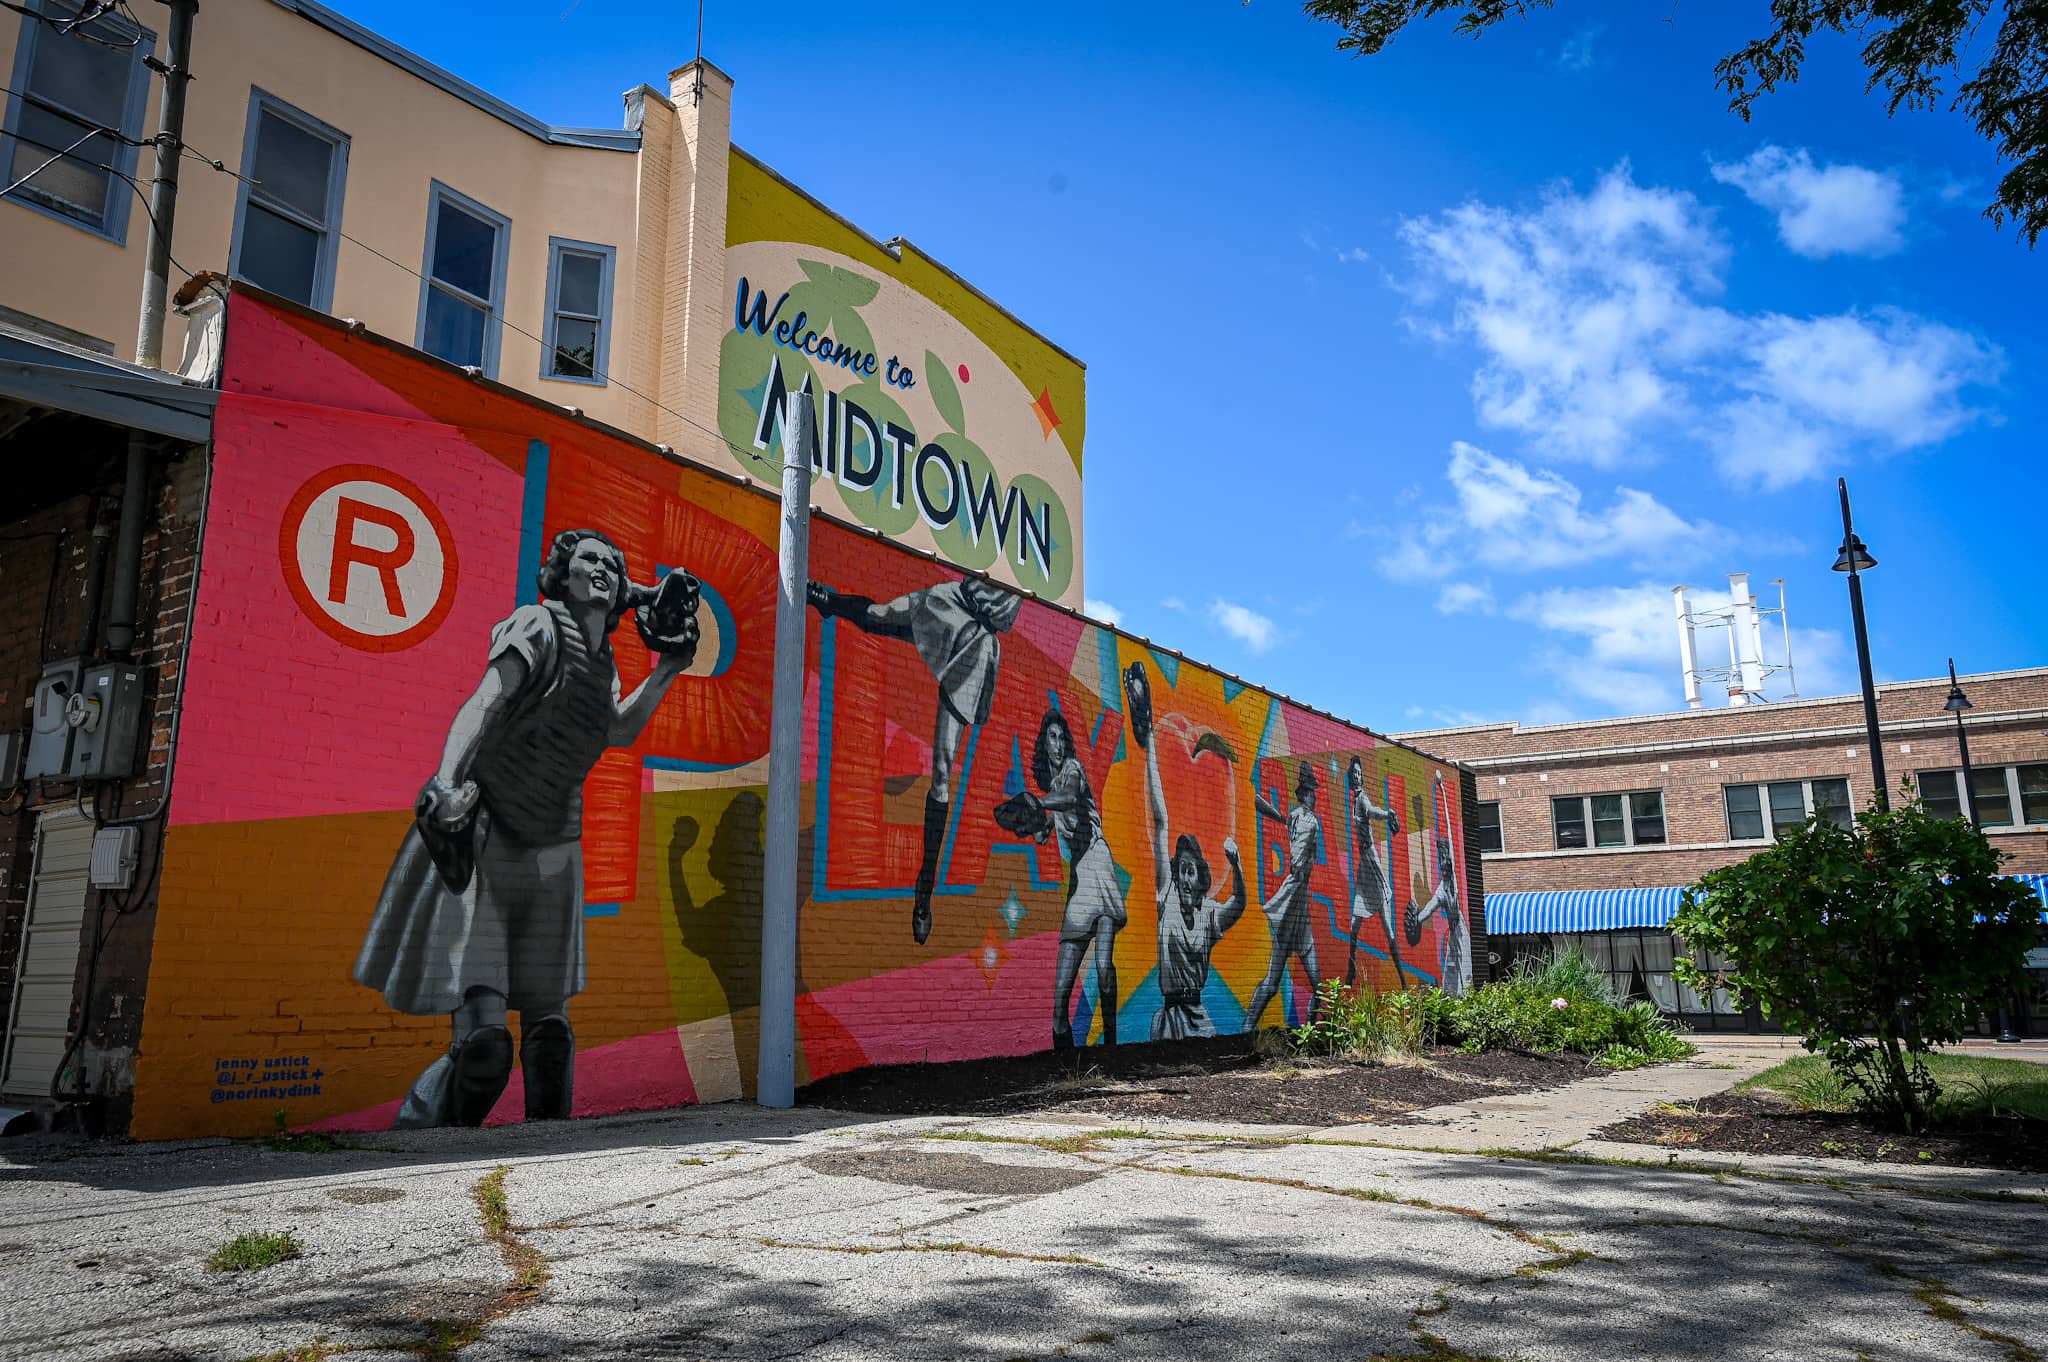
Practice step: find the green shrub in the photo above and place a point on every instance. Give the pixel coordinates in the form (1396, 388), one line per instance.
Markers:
(1361, 1023)
(1563, 1002)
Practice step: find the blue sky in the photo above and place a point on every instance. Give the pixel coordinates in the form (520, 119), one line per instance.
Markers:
(1416, 381)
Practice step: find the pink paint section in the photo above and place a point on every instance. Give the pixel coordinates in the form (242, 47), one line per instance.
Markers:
(1054, 633)
(645, 1073)
(266, 689)
(946, 1010)
(268, 357)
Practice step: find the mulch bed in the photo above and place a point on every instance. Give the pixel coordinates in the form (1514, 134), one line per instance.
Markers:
(1219, 1079)
(1732, 1123)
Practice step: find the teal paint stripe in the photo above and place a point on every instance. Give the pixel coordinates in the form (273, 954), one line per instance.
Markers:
(533, 505)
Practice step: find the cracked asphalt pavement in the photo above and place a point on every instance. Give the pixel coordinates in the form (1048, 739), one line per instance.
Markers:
(732, 1232)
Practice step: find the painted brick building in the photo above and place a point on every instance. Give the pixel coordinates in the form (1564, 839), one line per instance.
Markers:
(1588, 830)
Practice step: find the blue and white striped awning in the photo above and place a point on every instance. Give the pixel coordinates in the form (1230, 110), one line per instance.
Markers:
(1607, 910)
(1579, 910)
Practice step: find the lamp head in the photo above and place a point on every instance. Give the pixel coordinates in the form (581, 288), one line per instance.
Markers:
(1957, 702)
(1855, 556)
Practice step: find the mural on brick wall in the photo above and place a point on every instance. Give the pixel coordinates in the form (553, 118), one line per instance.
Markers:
(944, 421)
(496, 851)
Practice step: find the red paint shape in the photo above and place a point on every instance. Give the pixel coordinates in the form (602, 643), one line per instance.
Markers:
(346, 551)
(889, 1016)
(963, 373)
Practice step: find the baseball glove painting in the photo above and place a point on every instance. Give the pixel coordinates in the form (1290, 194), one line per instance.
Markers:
(667, 615)
(1139, 691)
(446, 818)
(1023, 816)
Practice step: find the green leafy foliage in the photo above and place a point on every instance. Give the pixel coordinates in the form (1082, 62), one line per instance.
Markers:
(1911, 48)
(1874, 943)
(1560, 1002)
(257, 1249)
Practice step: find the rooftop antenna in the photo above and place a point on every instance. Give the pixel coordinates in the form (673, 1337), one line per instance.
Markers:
(1748, 668)
(697, 73)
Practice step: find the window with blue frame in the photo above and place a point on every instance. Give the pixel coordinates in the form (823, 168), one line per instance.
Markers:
(462, 293)
(577, 345)
(288, 224)
(74, 115)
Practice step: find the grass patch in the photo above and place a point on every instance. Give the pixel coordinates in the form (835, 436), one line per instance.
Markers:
(1972, 1087)
(255, 1250)
(285, 1142)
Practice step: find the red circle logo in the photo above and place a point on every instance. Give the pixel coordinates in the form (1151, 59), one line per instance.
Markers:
(368, 557)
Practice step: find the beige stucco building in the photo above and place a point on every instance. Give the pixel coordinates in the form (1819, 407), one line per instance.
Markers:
(595, 268)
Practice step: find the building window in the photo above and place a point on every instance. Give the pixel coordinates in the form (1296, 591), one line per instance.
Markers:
(577, 345)
(1486, 823)
(2000, 790)
(288, 224)
(1788, 804)
(66, 85)
(463, 291)
(1615, 820)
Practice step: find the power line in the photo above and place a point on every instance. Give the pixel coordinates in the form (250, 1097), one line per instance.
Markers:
(120, 175)
(624, 386)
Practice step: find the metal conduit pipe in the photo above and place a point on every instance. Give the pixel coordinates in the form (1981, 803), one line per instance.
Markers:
(128, 550)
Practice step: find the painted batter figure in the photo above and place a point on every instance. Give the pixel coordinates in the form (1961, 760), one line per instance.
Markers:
(955, 627)
(482, 911)
(1190, 922)
(1287, 911)
(1457, 969)
(1372, 894)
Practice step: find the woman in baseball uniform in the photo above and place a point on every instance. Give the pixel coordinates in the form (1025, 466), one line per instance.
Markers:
(954, 626)
(1190, 922)
(1287, 912)
(483, 909)
(1457, 966)
(1371, 886)
(1095, 903)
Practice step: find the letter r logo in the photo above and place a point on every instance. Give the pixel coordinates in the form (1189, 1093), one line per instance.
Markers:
(368, 557)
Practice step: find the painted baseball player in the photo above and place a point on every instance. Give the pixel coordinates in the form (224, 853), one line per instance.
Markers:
(1287, 911)
(1372, 894)
(1457, 970)
(1190, 922)
(483, 908)
(954, 626)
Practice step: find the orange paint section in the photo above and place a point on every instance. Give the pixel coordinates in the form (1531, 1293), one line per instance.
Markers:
(258, 923)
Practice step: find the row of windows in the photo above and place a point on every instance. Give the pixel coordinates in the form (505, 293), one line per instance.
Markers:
(288, 220)
(1761, 811)
(2000, 791)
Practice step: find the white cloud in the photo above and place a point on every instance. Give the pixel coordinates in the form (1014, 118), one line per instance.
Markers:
(1576, 56)
(1458, 598)
(1510, 516)
(1102, 610)
(1822, 210)
(1176, 604)
(1354, 255)
(1600, 337)
(1246, 625)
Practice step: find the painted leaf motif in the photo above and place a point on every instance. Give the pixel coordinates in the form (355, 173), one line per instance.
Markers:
(945, 394)
(846, 289)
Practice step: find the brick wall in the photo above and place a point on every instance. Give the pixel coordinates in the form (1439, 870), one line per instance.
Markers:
(284, 831)
(45, 601)
(1692, 757)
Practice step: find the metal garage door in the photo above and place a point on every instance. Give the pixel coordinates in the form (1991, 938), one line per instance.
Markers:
(57, 897)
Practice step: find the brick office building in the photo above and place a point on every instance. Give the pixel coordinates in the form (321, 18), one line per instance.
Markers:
(1589, 831)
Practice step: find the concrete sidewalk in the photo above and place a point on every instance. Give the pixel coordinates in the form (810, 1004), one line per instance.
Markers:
(733, 1232)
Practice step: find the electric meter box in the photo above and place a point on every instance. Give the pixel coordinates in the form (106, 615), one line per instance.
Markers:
(104, 748)
(49, 733)
(113, 857)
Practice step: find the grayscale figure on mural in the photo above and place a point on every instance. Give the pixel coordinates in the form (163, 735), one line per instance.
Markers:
(1457, 969)
(1095, 900)
(1190, 922)
(1287, 911)
(954, 626)
(1372, 894)
(482, 911)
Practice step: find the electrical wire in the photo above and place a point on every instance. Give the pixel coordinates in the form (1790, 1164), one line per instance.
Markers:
(31, 97)
(120, 175)
(606, 375)
(74, 27)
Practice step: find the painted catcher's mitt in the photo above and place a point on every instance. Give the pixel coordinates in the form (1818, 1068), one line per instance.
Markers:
(1023, 816)
(667, 615)
(1138, 689)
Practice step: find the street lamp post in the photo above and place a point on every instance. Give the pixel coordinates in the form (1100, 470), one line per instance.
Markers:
(1956, 703)
(1854, 559)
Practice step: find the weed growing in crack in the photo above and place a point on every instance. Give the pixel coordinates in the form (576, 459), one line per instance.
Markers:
(255, 1250)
